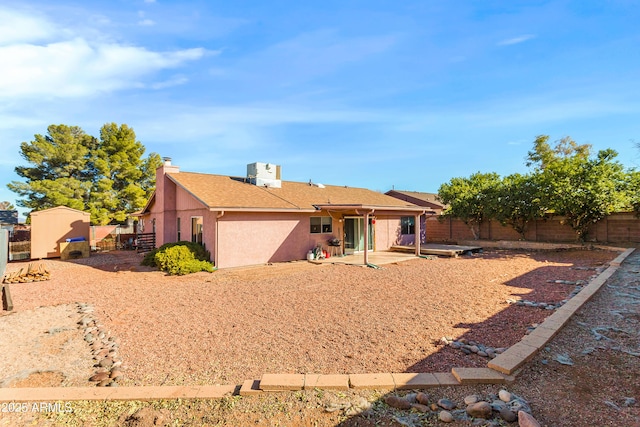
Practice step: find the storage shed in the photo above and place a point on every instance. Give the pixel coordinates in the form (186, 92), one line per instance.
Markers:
(51, 227)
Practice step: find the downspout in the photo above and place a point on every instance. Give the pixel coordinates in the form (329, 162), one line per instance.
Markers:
(217, 248)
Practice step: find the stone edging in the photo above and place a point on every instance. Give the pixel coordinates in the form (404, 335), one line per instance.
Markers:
(500, 370)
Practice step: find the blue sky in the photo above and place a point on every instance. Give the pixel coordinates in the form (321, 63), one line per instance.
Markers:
(375, 94)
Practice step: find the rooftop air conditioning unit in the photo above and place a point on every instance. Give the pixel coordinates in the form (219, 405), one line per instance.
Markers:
(264, 174)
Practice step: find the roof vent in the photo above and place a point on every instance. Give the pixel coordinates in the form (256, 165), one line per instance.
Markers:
(264, 174)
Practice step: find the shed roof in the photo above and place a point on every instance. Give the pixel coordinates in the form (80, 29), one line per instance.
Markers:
(60, 209)
(220, 192)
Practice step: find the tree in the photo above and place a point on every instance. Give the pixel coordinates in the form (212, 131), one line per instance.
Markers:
(518, 202)
(633, 190)
(123, 179)
(470, 199)
(58, 175)
(107, 177)
(582, 188)
(7, 206)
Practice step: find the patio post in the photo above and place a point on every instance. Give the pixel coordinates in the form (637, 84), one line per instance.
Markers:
(366, 238)
(417, 234)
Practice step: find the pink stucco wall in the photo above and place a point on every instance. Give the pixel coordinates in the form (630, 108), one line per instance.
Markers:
(53, 226)
(259, 238)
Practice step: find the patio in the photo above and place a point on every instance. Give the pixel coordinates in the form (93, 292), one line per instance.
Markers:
(374, 258)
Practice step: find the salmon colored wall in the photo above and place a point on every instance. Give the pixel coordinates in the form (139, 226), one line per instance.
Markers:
(259, 238)
(99, 232)
(394, 236)
(53, 226)
(164, 208)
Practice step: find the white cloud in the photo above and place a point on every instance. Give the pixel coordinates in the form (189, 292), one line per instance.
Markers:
(77, 68)
(18, 27)
(41, 59)
(516, 40)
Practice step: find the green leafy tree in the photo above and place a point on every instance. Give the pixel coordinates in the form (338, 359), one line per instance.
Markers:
(582, 188)
(633, 190)
(470, 199)
(518, 202)
(107, 177)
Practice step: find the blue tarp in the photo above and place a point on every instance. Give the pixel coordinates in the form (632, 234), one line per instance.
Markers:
(76, 239)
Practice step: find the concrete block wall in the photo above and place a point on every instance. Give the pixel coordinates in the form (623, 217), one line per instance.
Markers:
(616, 228)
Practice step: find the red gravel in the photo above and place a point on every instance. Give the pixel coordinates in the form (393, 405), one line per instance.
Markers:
(233, 325)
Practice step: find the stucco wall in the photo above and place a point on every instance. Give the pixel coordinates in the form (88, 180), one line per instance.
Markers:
(259, 238)
(53, 226)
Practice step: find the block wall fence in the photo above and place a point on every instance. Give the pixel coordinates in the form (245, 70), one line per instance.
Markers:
(616, 228)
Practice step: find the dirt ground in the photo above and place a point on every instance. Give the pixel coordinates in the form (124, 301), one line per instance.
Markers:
(234, 325)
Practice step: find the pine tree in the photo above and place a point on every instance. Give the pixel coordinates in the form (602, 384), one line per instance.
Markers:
(107, 177)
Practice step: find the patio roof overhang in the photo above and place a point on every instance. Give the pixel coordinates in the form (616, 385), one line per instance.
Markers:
(371, 210)
(361, 209)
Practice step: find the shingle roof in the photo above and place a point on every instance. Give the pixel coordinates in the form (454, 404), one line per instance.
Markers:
(225, 192)
(8, 217)
(418, 196)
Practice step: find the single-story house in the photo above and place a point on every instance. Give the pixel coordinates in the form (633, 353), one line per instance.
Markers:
(259, 218)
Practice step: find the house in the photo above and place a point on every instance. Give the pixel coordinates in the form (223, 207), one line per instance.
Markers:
(259, 218)
(8, 220)
(8, 217)
(428, 201)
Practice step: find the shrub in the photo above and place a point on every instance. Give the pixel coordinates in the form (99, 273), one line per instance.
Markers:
(179, 258)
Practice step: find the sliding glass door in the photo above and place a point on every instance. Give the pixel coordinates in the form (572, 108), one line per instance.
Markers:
(354, 234)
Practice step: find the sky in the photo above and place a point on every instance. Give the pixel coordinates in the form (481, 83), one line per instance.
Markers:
(378, 94)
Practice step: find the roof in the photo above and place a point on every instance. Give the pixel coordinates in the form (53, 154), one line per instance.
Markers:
(8, 217)
(219, 192)
(58, 209)
(418, 198)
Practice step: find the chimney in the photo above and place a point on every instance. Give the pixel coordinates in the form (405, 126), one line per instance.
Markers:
(167, 161)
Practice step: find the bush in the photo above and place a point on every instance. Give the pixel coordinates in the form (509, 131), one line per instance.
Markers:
(179, 258)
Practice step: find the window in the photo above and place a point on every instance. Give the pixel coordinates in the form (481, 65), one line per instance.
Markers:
(408, 225)
(196, 229)
(178, 227)
(321, 224)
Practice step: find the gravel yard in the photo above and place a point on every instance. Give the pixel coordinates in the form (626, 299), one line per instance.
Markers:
(232, 325)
